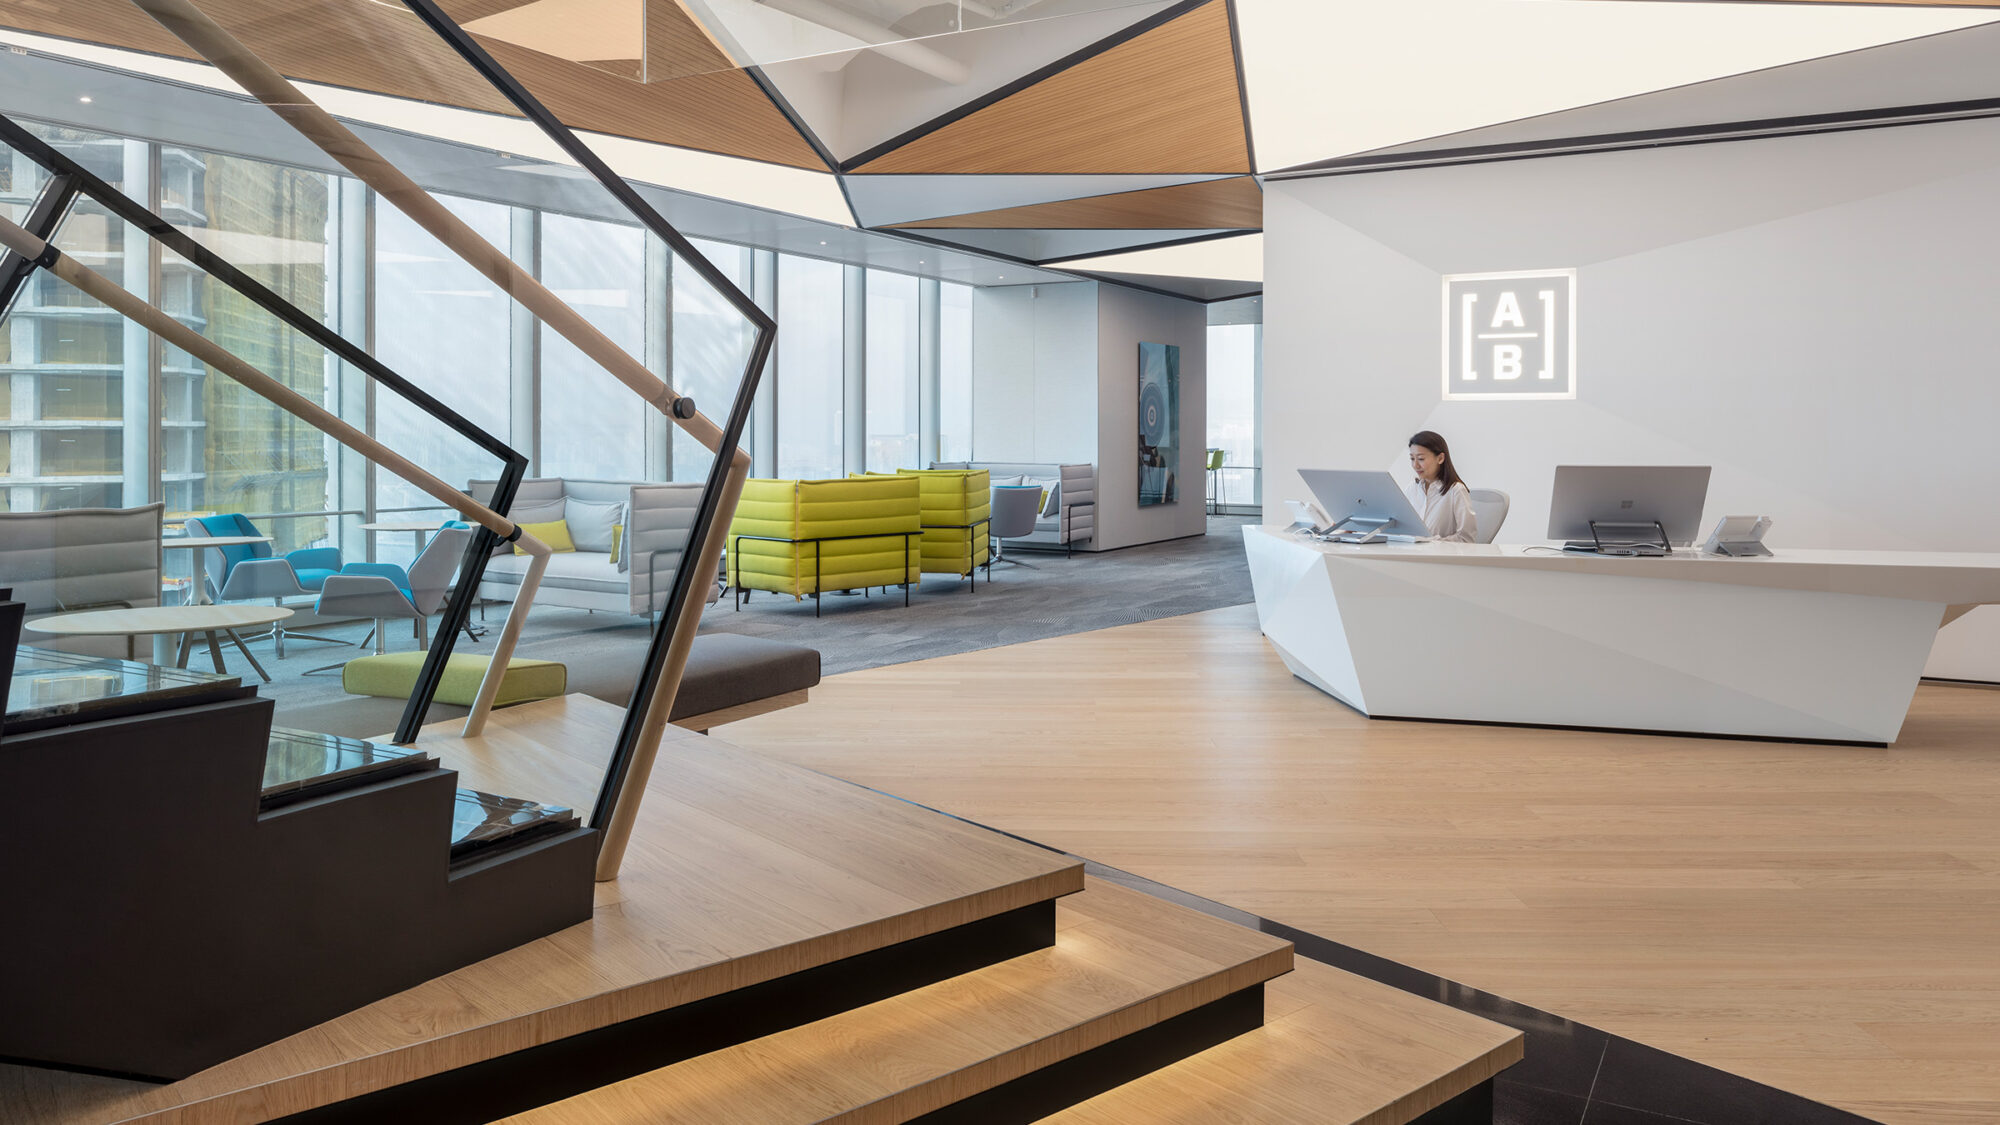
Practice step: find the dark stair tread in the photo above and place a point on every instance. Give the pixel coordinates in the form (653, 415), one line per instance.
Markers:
(483, 822)
(304, 764)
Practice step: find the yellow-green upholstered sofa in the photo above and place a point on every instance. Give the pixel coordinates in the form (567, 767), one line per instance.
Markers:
(956, 505)
(801, 537)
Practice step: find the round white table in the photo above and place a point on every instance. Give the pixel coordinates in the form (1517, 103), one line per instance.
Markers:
(417, 529)
(164, 623)
(193, 542)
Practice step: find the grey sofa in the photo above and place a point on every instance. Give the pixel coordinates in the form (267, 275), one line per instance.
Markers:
(1069, 515)
(81, 558)
(657, 519)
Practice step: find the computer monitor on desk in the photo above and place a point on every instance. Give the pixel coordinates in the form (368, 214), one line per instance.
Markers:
(1367, 503)
(1628, 509)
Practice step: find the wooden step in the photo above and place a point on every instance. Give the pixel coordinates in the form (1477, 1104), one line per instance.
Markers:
(743, 873)
(1123, 962)
(1335, 1049)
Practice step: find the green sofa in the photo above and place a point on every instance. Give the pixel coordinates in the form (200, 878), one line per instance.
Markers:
(803, 537)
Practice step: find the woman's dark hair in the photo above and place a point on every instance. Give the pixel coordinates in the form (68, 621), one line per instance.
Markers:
(1447, 467)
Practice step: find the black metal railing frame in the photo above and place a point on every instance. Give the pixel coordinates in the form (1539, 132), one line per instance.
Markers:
(71, 179)
(700, 543)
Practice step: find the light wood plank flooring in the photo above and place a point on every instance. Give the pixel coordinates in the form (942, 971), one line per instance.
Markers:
(1823, 919)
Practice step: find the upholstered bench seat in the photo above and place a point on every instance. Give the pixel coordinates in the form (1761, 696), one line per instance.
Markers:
(728, 676)
(394, 676)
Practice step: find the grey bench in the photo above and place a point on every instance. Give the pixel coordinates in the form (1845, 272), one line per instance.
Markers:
(729, 677)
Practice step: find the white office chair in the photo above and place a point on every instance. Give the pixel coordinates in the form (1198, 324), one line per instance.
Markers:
(1489, 511)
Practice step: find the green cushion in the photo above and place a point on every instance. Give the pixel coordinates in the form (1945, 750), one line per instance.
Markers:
(394, 675)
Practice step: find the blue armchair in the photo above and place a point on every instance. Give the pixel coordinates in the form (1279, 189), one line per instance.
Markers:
(249, 572)
(386, 592)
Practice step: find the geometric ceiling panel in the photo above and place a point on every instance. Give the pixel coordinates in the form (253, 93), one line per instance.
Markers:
(856, 100)
(1236, 203)
(1166, 100)
(383, 48)
(1042, 246)
(1240, 258)
(885, 200)
(1957, 66)
(1339, 77)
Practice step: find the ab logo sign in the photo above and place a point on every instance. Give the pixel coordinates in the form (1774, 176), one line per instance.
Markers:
(1510, 335)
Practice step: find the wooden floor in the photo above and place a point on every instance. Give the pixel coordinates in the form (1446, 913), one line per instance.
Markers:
(1823, 919)
(741, 870)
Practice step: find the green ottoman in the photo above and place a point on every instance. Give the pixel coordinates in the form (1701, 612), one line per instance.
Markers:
(394, 675)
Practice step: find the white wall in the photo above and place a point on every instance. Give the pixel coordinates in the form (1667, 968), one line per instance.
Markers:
(1034, 373)
(1055, 378)
(1813, 316)
(1125, 319)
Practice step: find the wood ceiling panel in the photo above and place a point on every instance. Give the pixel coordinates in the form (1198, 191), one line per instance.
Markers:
(1236, 204)
(367, 46)
(1164, 101)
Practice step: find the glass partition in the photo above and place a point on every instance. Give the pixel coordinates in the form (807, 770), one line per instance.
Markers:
(811, 352)
(891, 373)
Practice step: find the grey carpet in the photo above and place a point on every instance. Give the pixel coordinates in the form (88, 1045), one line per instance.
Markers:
(1049, 596)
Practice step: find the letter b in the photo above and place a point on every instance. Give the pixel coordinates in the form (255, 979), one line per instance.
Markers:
(1506, 361)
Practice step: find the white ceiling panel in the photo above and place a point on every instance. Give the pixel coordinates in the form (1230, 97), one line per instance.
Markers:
(1329, 78)
(1222, 259)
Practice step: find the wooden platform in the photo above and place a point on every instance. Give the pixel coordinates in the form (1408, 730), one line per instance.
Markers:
(1817, 918)
(741, 870)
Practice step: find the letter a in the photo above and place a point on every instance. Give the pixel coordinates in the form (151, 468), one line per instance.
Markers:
(1508, 311)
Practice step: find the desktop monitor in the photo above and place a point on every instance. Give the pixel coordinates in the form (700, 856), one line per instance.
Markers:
(1672, 495)
(1369, 497)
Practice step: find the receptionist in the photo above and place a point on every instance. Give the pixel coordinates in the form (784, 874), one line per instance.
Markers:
(1438, 492)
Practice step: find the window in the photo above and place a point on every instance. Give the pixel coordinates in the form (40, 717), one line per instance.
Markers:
(1234, 367)
(440, 324)
(954, 372)
(225, 448)
(71, 365)
(593, 426)
(892, 373)
(711, 346)
(811, 334)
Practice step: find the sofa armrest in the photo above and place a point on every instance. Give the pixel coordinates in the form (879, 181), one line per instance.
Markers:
(314, 558)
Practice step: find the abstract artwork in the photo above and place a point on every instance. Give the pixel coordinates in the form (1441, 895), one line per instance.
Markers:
(1159, 423)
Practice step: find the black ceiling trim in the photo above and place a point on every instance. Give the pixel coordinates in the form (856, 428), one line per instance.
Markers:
(1149, 245)
(1033, 77)
(778, 99)
(1242, 85)
(1766, 129)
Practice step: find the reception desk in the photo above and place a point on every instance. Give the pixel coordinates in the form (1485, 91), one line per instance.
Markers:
(1810, 645)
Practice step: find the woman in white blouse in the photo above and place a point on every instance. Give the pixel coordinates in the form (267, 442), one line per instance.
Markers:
(1438, 492)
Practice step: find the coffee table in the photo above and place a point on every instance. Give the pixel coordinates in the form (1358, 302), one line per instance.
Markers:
(164, 623)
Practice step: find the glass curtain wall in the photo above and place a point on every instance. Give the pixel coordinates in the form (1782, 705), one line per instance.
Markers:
(891, 373)
(1235, 367)
(74, 427)
(954, 372)
(440, 324)
(811, 373)
(592, 426)
(96, 412)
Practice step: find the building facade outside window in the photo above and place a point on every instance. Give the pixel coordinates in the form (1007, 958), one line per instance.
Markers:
(1235, 371)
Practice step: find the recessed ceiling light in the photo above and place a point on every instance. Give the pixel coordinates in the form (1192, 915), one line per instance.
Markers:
(84, 99)
(822, 242)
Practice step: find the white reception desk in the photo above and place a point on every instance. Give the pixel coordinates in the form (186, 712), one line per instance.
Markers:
(1811, 645)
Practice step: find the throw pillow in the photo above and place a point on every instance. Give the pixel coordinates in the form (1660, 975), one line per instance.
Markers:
(1051, 488)
(525, 514)
(1006, 482)
(590, 522)
(617, 541)
(556, 535)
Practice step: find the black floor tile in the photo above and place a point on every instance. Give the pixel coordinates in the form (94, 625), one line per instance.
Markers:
(1635, 1075)
(1515, 1104)
(1604, 1113)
